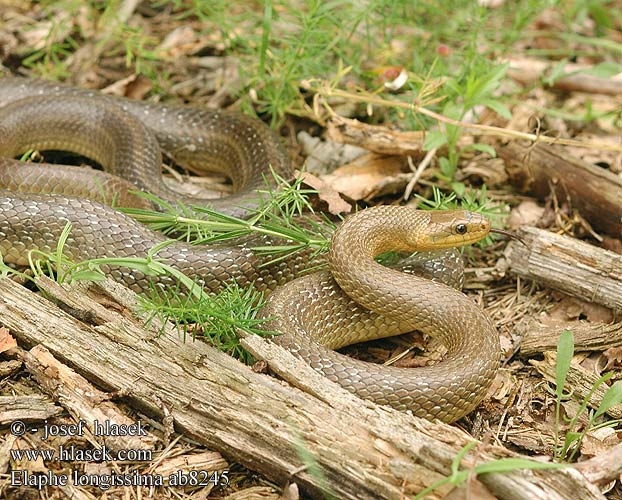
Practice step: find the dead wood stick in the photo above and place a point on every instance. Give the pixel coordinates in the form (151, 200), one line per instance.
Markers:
(594, 191)
(587, 337)
(376, 138)
(81, 399)
(7, 368)
(28, 408)
(364, 451)
(579, 380)
(572, 266)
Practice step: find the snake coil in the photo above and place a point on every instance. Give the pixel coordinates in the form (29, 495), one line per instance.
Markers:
(358, 300)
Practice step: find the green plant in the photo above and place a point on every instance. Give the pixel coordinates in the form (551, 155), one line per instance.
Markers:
(63, 270)
(284, 213)
(216, 317)
(459, 476)
(71, 24)
(475, 88)
(613, 396)
(598, 10)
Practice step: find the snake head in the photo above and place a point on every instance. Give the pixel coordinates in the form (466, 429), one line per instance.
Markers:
(452, 228)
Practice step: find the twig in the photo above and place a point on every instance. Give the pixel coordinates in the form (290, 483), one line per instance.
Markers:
(326, 91)
(418, 172)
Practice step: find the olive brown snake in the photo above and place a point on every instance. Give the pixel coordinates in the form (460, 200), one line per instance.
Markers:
(369, 301)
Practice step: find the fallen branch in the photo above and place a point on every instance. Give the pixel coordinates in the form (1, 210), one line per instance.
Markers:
(30, 408)
(362, 450)
(376, 138)
(572, 266)
(588, 336)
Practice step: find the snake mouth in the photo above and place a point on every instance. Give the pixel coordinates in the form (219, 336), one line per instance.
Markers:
(509, 234)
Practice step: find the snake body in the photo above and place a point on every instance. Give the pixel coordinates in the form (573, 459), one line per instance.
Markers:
(45, 115)
(357, 300)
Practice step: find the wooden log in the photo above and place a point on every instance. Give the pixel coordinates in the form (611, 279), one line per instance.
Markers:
(587, 337)
(30, 408)
(362, 450)
(579, 381)
(83, 401)
(376, 138)
(594, 191)
(572, 266)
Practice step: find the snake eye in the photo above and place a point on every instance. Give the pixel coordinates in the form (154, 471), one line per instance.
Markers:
(461, 228)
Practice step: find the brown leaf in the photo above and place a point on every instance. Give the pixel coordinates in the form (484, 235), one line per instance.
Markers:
(362, 178)
(178, 42)
(336, 204)
(598, 441)
(570, 308)
(6, 340)
(614, 357)
(526, 213)
(134, 86)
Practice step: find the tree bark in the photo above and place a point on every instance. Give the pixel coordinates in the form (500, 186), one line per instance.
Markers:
(362, 451)
(572, 266)
(28, 408)
(580, 381)
(588, 336)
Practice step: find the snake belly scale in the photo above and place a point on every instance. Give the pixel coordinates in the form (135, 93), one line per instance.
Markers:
(357, 300)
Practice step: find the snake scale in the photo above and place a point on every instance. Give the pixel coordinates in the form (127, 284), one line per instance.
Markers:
(358, 299)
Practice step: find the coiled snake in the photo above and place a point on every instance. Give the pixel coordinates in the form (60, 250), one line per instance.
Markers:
(357, 300)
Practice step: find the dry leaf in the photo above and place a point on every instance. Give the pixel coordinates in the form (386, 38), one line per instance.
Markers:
(359, 179)
(134, 86)
(598, 441)
(614, 358)
(178, 42)
(323, 156)
(527, 213)
(6, 340)
(571, 308)
(336, 204)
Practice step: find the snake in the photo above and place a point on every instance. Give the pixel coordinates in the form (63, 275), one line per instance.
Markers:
(354, 300)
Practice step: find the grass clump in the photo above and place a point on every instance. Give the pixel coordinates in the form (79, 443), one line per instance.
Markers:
(573, 437)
